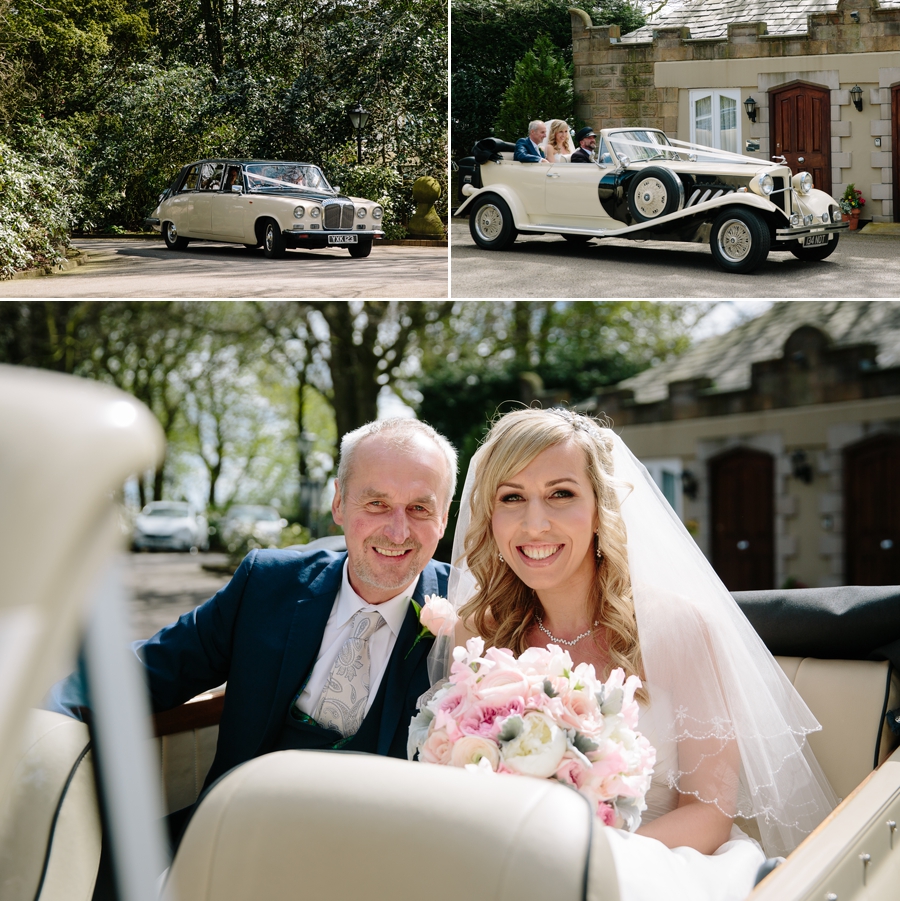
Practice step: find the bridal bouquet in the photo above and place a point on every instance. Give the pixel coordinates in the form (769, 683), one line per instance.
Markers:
(539, 715)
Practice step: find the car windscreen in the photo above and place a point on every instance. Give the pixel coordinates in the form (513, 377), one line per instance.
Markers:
(277, 178)
(640, 145)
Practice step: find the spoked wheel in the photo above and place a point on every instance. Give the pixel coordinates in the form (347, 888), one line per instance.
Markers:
(173, 240)
(273, 240)
(814, 254)
(654, 192)
(491, 223)
(739, 240)
(362, 249)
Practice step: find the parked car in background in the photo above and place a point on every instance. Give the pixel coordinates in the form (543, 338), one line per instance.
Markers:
(170, 526)
(645, 185)
(259, 521)
(263, 202)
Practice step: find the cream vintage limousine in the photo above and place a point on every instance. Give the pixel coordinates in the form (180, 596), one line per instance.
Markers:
(298, 824)
(262, 202)
(646, 185)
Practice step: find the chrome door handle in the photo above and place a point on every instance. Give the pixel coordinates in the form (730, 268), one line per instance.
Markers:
(552, 175)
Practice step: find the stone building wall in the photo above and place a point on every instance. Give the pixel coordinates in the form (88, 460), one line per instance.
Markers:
(619, 83)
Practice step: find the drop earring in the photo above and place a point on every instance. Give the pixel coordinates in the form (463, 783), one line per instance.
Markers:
(500, 558)
(597, 546)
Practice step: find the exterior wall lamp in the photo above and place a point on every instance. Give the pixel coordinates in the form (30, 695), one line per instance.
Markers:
(800, 467)
(689, 484)
(750, 106)
(856, 93)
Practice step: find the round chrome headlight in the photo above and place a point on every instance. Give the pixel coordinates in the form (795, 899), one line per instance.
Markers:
(808, 219)
(795, 220)
(377, 213)
(315, 212)
(299, 211)
(835, 214)
(825, 217)
(802, 182)
(361, 213)
(766, 185)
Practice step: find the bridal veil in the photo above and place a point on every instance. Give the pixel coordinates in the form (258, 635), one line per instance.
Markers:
(720, 694)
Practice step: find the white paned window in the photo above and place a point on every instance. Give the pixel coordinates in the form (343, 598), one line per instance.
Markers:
(667, 475)
(714, 118)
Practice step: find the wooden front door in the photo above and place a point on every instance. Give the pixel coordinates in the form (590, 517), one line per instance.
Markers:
(743, 519)
(800, 123)
(895, 147)
(872, 512)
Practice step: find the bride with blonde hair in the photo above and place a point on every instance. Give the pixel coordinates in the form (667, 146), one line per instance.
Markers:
(563, 538)
(558, 146)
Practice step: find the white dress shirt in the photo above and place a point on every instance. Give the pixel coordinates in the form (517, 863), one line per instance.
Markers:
(337, 631)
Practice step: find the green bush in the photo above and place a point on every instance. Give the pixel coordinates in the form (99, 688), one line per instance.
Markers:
(541, 89)
(38, 201)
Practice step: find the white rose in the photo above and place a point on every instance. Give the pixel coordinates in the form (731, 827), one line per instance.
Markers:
(474, 749)
(538, 748)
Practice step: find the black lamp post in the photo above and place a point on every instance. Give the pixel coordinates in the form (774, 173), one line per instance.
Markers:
(358, 118)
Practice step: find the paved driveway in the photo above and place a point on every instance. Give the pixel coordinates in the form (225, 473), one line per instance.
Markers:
(141, 268)
(547, 266)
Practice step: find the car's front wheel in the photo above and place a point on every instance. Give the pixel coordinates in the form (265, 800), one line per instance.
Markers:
(739, 240)
(173, 240)
(358, 251)
(813, 254)
(491, 223)
(273, 240)
(654, 192)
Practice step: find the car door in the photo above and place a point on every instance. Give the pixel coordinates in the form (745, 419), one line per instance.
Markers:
(228, 206)
(571, 191)
(177, 208)
(200, 216)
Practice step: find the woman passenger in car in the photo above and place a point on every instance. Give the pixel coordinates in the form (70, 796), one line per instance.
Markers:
(558, 147)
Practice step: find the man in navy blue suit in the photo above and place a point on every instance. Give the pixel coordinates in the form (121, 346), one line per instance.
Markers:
(528, 149)
(275, 631)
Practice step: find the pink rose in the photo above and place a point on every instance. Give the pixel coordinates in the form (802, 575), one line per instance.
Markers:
(606, 813)
(438, 614)
(437, 748)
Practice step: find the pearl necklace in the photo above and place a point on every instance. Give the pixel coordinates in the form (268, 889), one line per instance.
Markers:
(571, 643)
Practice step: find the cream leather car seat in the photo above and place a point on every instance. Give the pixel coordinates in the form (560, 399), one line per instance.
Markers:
(50, 822)
(331, 825)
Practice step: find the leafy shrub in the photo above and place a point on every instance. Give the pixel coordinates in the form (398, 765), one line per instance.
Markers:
(39, 197)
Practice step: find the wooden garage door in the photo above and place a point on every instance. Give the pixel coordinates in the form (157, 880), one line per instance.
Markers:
(800, 117)
(743, 519)
(872, 512)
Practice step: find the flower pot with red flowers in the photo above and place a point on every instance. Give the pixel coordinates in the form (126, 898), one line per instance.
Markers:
(852, 203)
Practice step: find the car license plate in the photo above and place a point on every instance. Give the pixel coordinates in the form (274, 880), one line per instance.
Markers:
(813, 240)
(342, 239)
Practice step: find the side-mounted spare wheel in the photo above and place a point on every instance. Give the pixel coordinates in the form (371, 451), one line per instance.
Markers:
(654, 192)
(173, 240)
(491, 223)
(740, 240)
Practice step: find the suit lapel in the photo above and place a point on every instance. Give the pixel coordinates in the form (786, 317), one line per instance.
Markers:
(404, 662)
(304, 638)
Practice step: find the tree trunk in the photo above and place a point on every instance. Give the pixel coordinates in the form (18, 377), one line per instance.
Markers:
(212, 23)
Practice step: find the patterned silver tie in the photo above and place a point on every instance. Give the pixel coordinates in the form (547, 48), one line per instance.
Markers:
(342, 706)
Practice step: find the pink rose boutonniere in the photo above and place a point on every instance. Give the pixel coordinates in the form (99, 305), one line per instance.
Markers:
(436, 616)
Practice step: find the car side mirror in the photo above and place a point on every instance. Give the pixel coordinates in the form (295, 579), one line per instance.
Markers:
(237, 189)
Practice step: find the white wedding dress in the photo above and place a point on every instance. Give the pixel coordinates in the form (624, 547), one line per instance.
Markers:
(649, 871)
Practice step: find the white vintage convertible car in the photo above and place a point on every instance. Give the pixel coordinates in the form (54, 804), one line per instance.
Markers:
(309, 824)
(253, 202)
(646, 185)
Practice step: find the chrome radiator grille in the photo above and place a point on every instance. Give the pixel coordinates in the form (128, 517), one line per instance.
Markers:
(338, 214)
